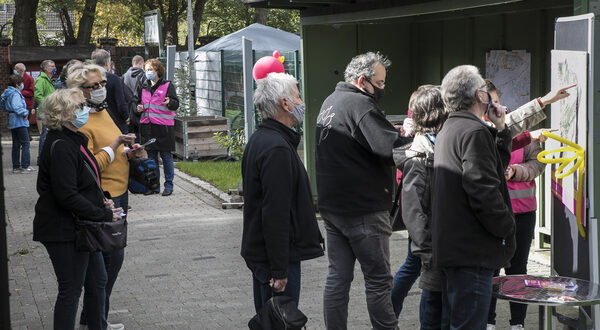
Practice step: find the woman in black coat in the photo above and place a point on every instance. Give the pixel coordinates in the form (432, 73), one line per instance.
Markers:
(68, 188)
(157, 104)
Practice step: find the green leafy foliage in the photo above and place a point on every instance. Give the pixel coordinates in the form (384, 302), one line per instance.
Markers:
(235, 142)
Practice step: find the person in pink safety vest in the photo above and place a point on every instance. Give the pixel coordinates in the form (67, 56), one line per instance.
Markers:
(520, 178)
(157, 104)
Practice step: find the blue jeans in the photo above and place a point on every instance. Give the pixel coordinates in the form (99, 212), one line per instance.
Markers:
(42, 140)
(70, 267)
(404, 279)
(20, 148)
(168, 167)
(112, 265)
(261, 276)
(430, 310)
(466, 294)
(365, 238)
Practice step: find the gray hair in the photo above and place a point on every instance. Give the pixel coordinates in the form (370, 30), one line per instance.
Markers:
(459, 87)
(46, 63)
(100, 57)
(364, 65)
(270, 90)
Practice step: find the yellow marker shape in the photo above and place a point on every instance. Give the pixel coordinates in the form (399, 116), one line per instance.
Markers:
(579, 159)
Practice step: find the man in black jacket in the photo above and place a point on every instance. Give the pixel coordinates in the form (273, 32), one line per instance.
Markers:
(354, 182)
(280, 227)
(115, 98)
(133, 81)
(473, 228)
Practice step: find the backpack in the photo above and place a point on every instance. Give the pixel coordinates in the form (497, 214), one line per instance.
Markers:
(131, 100)
(142, 175)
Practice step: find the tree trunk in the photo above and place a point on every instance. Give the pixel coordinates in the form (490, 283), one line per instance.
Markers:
(67, 27)
(24, 25)
(197, 14)
(260, 16)
(86, 22)
(172, 20)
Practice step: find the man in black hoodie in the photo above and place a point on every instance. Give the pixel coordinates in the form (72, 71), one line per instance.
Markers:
(133, 80)
(280, 227)
(355, 187)
(472, 225)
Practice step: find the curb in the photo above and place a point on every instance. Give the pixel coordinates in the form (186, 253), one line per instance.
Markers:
(203, 185)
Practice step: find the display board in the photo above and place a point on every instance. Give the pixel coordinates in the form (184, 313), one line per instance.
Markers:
(510, 72)
(570, 64)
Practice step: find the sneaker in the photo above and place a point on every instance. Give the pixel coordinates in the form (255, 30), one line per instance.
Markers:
(28, 170)
(517, 327)
(17, 171)
(114, 326)
(490, 327)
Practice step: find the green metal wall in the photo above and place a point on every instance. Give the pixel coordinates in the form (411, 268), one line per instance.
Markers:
(422, 49)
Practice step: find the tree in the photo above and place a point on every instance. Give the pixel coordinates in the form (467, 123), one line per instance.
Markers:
(86, 22)
(24, 23)
(222, 17)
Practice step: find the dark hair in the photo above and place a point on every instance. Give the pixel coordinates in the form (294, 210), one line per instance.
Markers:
(64, 74)
(428, 110)
(156, 66)
(414, 94)
(15, 80)
(489, 86)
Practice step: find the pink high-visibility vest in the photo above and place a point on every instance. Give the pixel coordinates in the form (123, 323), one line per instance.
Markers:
(154, 111)
(522, 194)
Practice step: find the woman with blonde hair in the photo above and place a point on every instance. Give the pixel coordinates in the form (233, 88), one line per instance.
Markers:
(106, 142)
(67, 186)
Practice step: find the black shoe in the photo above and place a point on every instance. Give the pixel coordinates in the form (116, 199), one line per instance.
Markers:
(150, 192)
(167, 192)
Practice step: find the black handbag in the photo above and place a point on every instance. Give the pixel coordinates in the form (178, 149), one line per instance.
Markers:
(105, 236)
(279, 313)
(93, 236)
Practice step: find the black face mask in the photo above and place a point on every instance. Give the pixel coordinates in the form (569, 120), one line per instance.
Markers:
(377, 92)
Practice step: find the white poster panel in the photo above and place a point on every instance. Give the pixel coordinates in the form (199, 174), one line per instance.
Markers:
(510, 72)
(151, 35)
(569, 117)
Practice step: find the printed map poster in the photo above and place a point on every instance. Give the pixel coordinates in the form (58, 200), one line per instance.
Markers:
(569, 116)
(510, 71)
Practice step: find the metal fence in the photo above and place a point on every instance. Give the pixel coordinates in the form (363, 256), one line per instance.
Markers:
(219, 81)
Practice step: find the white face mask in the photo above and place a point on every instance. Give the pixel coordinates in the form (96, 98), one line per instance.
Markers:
(98, 96)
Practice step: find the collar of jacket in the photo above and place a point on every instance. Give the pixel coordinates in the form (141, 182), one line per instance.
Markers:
(292, 137)
(471, 116)
(347, 87)
(44, 75)
(78, 137)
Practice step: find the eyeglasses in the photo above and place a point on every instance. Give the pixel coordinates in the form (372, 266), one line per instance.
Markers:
(95, 86)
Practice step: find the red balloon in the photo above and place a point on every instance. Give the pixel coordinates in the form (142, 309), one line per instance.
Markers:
(266, 65)
(276, 54)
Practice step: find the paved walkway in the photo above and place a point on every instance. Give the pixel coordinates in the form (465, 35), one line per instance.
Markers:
(182, 267)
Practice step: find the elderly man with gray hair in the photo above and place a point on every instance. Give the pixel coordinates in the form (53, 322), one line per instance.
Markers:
(354, 181)
(472, 225)
(280, 227)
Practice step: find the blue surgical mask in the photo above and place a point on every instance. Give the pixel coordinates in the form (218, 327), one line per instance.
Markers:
(16, 72)
(83, 115)
(21, 87)
(54, 71)
(150, 75)
(298, 111)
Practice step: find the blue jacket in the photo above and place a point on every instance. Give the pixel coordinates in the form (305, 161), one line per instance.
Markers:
(14, 103)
